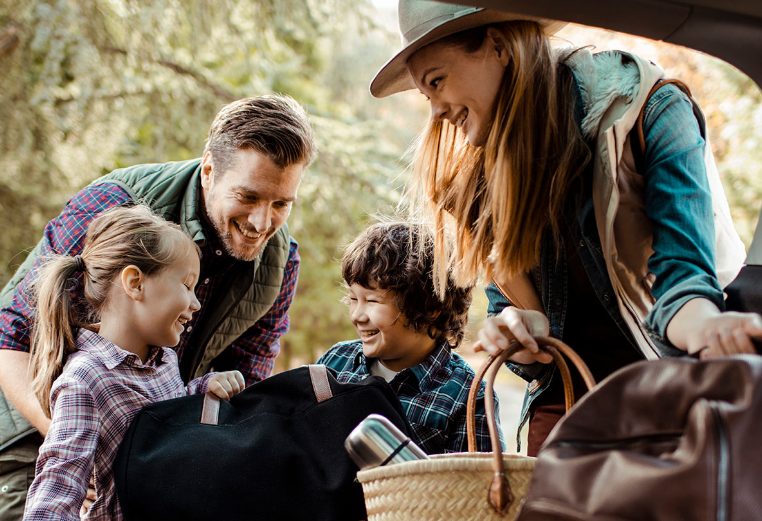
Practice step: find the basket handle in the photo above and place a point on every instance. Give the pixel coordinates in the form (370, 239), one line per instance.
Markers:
(500, 496)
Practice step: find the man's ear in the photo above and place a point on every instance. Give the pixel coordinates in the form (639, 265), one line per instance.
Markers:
(495, 39)
(132, 279)
(207, 170)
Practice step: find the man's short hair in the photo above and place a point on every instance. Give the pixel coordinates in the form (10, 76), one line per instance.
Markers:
(274, 125)
(399, 256)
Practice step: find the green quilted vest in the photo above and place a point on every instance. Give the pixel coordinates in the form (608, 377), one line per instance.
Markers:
(172, 191)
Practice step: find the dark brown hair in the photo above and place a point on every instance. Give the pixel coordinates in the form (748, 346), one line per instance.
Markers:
(274, 125)
(399, 257)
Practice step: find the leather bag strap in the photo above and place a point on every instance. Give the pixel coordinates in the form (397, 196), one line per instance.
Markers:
(500, 495)
(319, 377)
(210, 410)
(641, 117)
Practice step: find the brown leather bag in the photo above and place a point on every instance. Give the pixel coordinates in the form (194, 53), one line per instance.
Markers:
(673, 439)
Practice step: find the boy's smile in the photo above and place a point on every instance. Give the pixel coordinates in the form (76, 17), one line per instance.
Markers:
(383, 329)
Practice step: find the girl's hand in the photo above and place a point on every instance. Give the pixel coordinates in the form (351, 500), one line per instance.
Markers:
(522, 325)
(226, 385)
(725, 334)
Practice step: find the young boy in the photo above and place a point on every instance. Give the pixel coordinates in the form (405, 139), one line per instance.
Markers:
(407, 334)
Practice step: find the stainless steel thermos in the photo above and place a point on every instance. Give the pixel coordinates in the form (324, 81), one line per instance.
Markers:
(376, 441)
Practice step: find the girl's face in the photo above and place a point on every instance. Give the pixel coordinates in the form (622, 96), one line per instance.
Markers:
(383, 330)
(461, 86)
(168, 301)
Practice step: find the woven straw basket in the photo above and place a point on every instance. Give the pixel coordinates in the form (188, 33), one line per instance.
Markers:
(464, 486)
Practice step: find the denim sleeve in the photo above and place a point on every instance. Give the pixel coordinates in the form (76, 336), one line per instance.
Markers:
(678, 201)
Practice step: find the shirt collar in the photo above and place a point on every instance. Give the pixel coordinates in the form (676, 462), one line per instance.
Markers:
(430, 373)
(111, 355)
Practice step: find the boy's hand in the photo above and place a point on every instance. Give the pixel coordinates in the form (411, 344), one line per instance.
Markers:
(226, 385)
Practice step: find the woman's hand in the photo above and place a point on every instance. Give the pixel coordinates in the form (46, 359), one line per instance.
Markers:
(226, 385)
(522, 325)
(700, 328)
(728, 333)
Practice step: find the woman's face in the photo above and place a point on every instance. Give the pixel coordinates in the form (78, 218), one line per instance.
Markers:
(461, 86)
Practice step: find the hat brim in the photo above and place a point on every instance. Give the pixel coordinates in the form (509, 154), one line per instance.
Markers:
(394, 77)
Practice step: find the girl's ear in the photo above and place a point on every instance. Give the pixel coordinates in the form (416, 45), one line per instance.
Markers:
(132, 279)
(496, 42)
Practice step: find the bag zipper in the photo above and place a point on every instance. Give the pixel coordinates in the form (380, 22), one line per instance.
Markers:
(723, 462)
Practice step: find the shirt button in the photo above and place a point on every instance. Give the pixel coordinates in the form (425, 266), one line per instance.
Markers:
(218, 252)
(206, 280)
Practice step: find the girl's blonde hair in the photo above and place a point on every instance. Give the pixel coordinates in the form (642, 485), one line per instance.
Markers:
(498, 200)
(116, 239)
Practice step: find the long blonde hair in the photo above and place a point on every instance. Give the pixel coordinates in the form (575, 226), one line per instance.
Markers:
(118, 238)
(498, 200)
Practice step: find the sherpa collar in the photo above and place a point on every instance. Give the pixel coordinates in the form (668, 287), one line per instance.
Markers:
(602, 79)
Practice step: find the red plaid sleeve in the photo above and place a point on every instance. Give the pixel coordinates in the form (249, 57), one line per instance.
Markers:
(63, 235)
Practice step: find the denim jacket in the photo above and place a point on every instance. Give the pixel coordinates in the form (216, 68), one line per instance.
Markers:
(677, 201)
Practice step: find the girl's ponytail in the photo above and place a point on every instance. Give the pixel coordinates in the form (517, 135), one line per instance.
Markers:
(54, 330)
(120, 237)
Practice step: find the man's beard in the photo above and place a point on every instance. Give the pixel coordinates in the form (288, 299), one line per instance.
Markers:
(226, 237)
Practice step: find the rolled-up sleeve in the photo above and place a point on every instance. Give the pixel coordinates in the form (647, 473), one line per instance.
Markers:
(678, 201)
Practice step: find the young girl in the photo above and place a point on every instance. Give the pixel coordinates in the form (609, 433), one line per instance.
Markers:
(533, 155)
(139, 273)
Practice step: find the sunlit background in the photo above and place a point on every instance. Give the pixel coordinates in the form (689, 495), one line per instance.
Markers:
(92, 85)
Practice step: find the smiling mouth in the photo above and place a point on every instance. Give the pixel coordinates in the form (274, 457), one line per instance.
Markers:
(249, 236)
(368, 334)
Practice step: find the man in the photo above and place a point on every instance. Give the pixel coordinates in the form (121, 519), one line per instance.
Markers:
(234, 202)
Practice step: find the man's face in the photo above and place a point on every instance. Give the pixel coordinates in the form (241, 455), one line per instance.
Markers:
(249, 201)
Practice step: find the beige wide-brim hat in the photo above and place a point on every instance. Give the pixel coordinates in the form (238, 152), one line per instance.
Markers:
(423, 22)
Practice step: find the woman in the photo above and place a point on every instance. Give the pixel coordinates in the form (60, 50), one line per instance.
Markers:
(531, 154)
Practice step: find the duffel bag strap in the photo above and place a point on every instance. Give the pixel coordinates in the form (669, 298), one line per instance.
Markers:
(500, 495)
(210, 410)
(319, 377)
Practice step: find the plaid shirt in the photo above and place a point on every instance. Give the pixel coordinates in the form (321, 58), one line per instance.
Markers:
(253, 353)
(93, 402)
(433, 394)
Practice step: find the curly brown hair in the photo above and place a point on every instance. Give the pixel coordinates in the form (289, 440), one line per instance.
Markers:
(399, 257)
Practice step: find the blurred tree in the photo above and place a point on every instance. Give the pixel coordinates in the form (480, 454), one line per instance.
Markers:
(93, 85)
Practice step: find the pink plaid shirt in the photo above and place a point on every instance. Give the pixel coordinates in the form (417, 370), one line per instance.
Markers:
(93, 402)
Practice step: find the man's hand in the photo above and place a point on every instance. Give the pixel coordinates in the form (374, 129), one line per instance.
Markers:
(226, 385)
(89, 498)
(512, 323)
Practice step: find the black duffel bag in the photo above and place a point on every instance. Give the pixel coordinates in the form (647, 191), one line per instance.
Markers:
(276, 451)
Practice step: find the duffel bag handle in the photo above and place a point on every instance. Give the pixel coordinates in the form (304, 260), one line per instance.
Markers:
(500, 496)
(210, 410)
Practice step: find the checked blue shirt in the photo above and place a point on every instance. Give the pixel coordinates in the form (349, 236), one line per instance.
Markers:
(433, 395)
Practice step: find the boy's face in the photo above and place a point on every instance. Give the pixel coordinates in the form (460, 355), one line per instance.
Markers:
(383, 330)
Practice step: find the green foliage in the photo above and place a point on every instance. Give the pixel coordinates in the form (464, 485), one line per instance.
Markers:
(93, 85)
